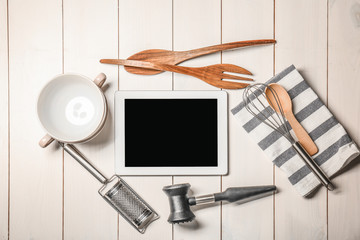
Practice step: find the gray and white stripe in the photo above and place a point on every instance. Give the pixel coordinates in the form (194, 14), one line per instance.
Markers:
(336, 148)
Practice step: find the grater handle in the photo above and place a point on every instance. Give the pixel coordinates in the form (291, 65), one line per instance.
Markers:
(78, 156)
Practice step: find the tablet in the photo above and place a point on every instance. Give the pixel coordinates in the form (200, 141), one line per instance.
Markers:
(171, 133)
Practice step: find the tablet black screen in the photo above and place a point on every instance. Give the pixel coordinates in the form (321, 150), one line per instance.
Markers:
(171, 133)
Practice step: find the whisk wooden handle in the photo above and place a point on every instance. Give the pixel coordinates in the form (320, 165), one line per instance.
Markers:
(303, 137)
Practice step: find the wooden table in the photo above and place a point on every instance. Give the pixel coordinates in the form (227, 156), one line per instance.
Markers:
(44, 194)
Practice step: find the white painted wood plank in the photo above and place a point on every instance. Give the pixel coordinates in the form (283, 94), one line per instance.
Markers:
(4, 124)
(301, 32)
(35, 173)
(146, 25)
(247, 163)
(198, 24)
(91, 33)
(300, 29)
(344, 102)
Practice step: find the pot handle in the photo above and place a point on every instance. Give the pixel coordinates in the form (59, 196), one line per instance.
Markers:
(100, 79)
(45, 141)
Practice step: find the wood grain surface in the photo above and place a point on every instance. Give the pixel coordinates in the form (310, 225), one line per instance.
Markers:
(52, 197)
(344, 102)
(35, 56)
(4, 121)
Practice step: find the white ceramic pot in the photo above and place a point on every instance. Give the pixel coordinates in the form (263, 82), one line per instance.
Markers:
(72, 108)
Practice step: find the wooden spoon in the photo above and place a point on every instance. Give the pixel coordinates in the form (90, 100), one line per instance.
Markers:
(286, 104)
(176, 57)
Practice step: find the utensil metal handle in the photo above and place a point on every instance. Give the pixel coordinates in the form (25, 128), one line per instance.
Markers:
(78, 156)
(309, 161)
(209, 198)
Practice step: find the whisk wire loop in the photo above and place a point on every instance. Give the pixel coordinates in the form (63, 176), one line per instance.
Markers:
(260, 106)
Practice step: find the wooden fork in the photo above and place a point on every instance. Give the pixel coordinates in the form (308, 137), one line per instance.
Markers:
(213, 74)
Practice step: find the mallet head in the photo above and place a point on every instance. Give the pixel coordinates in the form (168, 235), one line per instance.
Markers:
(179, 204)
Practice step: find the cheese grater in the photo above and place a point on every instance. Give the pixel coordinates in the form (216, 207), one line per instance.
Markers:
(128, 203)
(118, 194)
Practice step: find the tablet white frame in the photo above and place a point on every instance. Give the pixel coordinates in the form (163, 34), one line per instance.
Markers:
(222, 167)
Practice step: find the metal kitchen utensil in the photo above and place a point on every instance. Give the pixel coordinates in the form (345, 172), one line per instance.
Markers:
(176, 57)
(180, 203)
(213, 74)
(256, 103)
(118, 194)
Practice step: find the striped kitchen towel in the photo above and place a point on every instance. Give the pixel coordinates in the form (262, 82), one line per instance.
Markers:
(336, 148)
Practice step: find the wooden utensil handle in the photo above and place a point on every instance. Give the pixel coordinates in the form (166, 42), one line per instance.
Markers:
(177, 69)
(303, 137)
(150, 65)
(221, 47)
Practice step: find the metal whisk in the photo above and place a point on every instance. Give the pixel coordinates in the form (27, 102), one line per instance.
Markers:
(259, 105)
